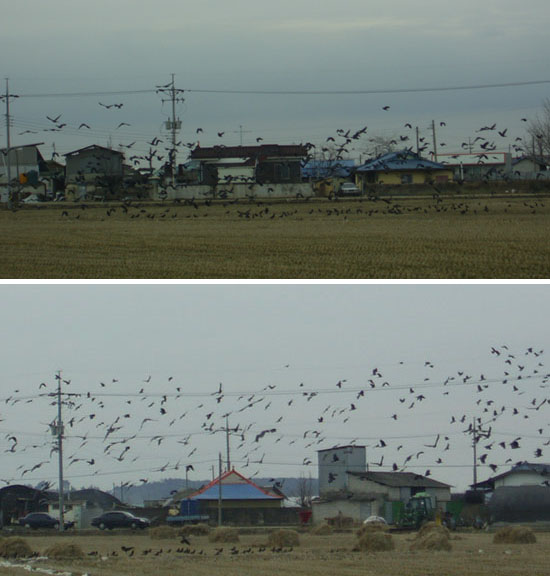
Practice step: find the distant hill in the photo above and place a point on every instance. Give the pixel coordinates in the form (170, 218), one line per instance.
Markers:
(163, 489)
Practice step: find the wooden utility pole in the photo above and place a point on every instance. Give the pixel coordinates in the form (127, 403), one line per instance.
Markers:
(434, 141)
(220, 490)
(474, 434)
(8, 144)
(59, 430)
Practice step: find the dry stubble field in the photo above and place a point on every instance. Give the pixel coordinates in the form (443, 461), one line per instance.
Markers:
(471, 554)
(401, 238)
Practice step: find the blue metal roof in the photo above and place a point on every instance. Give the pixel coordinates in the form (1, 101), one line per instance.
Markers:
(322, 169)
(235, 491)
(399, 161)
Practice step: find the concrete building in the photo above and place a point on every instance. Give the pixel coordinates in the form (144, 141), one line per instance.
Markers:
(346, 487)
(482, 166)
(93, 171)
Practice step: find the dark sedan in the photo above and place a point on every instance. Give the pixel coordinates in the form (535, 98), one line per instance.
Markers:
(42, 521)
(120, 520)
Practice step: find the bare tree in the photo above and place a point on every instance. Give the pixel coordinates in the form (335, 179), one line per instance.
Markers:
(538, 142)
(305, 491)
(378, 145)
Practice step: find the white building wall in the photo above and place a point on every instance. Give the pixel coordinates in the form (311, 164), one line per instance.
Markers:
(515, 479)
(237, 191)
(333, 464)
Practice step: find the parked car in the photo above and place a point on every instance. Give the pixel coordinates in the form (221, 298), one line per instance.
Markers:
(348, 188)
(42, 521)
(120, 519)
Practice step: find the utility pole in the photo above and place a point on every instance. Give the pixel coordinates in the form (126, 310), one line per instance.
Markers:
(227, 442)
(417, 142)
(173, 125)
(474, 434)
(434, 141)
(220, 490)
(59, 430)
(8, 143)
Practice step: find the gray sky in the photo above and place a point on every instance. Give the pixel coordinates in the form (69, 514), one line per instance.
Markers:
(315, 345)
(63, 46)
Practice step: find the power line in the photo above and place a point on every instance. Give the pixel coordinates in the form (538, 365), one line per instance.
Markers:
(295, 92)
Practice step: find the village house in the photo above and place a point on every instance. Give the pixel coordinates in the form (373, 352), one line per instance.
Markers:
(93, 172)
(327, 175)
(242, 501)
(482, 166)
(83, 505)
(521, 494)
(29, 172)
(401, 168)
(347, 487)
(259, 164)
(531, 167)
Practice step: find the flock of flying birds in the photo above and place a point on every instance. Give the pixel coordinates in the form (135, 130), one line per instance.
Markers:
(165, 429)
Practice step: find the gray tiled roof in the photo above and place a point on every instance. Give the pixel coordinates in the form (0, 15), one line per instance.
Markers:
(399, 479)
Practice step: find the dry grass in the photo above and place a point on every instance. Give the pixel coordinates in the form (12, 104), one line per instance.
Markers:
(14, 548)
(514, 535)
(283, 538)
(432, 537)
(372, 541)
(198, 529)
(374, 527)
(163, 532)
(476, 554)
(224, 535)
(407, 238)
(64, 551)
(322, 529)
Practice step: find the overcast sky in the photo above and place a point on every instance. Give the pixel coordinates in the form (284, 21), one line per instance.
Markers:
(153, 357)
(63, 46)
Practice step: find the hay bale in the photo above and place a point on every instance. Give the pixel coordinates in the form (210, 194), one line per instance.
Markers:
(514, 535)
(432, 538)
(163, 532)
(372, 541)
(283, 538)
(340, 521)
(15, 548)
(374, 527)
(432, 527)
(64, 551)
(199, 529)
(224, 535)
(322, 529)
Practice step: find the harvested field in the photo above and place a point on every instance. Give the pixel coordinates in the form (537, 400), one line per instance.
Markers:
(373, 541)
(515, 535)
(475, 554)
(485, 237)
(224, 535)
(283, 538)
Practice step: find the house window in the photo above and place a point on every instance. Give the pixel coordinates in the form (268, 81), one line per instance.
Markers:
(406, 179)
(282, 172)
